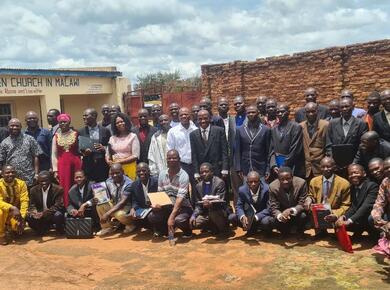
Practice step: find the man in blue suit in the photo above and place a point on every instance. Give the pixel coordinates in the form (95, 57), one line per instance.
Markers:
(139, 190)
(252, 212)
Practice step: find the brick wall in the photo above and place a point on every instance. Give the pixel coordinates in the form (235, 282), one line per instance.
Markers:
(361, 68)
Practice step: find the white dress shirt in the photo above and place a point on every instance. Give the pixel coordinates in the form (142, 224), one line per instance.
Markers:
(179, 139)
(387, 114)
(226, 122)
(44, 197)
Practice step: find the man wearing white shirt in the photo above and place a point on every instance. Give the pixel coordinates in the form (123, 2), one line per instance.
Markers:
(174, 112)
(46, 205)
(179, 139)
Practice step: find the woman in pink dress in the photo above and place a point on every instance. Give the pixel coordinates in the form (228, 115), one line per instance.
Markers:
(65, 154)
(123, 146)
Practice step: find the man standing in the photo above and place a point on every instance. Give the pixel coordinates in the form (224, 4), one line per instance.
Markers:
(106, 121)
(356, 112)
(194, 114)
(208, 144)
(42, 136)
(215, 120)
(271, 120)
(179, 139)
(223, 110)
(381, 122)
(158, 147)
(345, 130)
(156, 113)
(261, 106)
(287, 144)
(144, 133)
(208, 215)
(329, 189)
(252, 212)
(287, 196)
(334, 109)
(252, 145)
(13, 204)
(373, 106)
(175, 182)
(371, 146)
(46, 206)
(21, 151)
(52, 115)
(363, 196)
(94, 163)
(311, 97)
(174, 112)
(118, 187)
(314, 140)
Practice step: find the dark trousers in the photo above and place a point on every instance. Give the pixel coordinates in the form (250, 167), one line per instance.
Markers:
(264, 224)
(190, 171)
(299, 221)
(215, 220)
(92, 213)
(158, 219)
(42, 225)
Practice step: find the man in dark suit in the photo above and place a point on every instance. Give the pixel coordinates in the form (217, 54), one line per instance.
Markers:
(205, 104)
(363, 196)
(139, 190)
(334, 109)
(376, 170)
(287, 196)
(371, 146)
(252, 145)
(261, 106)
(311, 97)
(252, 213)
(345, 130)
(381, 123)
(208, 144)
(81, 200)
(208, 215)
(287, 144)
(46, 205)
(94, 163)
(270, 119)
(144, 133)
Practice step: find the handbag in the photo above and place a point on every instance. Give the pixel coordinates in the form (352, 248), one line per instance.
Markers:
(78, 228)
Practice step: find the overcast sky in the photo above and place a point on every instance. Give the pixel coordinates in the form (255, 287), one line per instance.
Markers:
(163, 35)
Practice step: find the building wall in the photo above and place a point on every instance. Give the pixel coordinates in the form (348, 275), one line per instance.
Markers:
(361, 68)
(22, 104)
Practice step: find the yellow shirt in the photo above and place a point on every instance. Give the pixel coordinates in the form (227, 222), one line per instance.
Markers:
(14, 194)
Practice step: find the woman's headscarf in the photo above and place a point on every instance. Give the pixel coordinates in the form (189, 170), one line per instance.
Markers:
(64, 117)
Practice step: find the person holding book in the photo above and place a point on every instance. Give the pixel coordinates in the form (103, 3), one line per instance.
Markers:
(287, 196)
(210, 207)
(82, 202)
(139, 189)
(330, 190)
(252, 213)
(116, 211)
(363, 195)
(174, 181)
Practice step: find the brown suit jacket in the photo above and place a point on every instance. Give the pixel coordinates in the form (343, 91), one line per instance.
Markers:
(339, 197)
(314, 147)
(279, 200)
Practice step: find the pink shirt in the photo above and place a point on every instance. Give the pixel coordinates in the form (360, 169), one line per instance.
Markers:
(124, 147)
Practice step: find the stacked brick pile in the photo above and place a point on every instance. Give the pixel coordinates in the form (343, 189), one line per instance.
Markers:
(362, 68)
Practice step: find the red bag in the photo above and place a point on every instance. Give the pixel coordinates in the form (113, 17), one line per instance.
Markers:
(344, 240)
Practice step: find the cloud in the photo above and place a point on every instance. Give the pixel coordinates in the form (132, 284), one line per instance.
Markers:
(163, 35)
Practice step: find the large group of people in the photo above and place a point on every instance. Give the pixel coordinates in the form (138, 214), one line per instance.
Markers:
(257, 169)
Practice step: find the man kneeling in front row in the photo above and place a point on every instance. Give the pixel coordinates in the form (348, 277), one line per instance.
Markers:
(13, 204)
(208, 214)
(46, 205)
(252, 213)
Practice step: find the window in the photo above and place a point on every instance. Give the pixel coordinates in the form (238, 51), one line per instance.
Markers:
(5, 114)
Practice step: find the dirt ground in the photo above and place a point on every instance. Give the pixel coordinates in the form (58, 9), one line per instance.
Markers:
(138, 261)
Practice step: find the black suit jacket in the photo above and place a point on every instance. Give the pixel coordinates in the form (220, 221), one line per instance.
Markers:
(251, 152)
(54, 200)
(381, 126)
(94, 165)
(335, 134)
(217, 121)
(75, 200)
(323, 113)
(214, 151)
(146, 144)
(382, 151)
(362, 204)
(137, 192)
